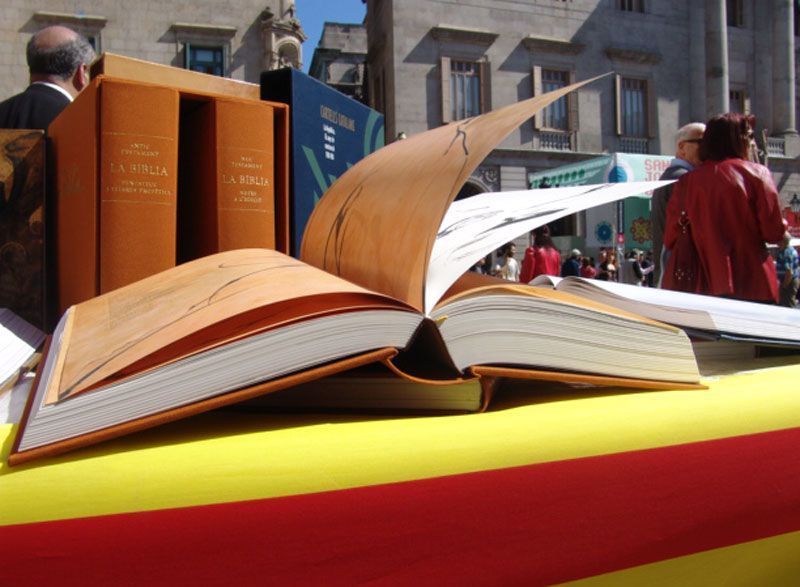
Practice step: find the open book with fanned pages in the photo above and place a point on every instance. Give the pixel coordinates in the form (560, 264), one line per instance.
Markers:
(380, 280)
(703, 317)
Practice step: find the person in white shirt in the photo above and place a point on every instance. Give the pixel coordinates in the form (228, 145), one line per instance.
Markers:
(509, 268)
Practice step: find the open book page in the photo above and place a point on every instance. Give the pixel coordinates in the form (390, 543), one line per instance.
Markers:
(195, 305)
(692, 310)
(475, 284)
(476, 226)
(496, 322)
(19, 340)
(377, 224)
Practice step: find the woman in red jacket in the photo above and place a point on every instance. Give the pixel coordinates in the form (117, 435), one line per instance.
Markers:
(733, 209)
(542, 258)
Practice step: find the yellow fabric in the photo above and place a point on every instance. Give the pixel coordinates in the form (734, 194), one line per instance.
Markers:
(230, 456)
(771, 561)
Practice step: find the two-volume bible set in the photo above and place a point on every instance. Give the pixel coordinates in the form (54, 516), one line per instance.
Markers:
(379, 292)
(147, 176)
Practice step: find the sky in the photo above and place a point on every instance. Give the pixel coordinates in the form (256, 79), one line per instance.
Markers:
(314, 13)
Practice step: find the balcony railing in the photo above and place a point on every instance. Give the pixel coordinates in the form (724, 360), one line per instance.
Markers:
(557, 140)
(776, 146)
(634, 145)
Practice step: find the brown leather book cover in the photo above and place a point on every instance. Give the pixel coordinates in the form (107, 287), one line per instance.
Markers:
(130, 68)
(74, 151)
(17, 457)
(22, 224)
(227, 188)
(379, 388)
(116, 164)
(138, 185)
(201, 305)
(509, 372)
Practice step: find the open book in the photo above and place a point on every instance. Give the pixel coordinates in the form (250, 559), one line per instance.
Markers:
(19, 343)
(232, 326)
(704, 316)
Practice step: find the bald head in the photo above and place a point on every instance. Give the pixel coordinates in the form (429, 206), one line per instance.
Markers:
(56, 53)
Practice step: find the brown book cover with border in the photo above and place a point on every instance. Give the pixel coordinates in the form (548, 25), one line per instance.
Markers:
(227, 176)
(115, 151)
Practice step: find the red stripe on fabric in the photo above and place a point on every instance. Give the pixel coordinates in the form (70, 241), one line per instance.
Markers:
(529, 525)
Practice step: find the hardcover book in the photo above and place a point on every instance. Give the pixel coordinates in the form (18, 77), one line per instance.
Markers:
(115, 161)
(706, 317)
(117, 195)
(229, 175)
(330, 132)
(22, 222)
(239, 324)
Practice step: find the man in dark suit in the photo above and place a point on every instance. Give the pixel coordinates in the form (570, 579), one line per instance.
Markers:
(58, 62)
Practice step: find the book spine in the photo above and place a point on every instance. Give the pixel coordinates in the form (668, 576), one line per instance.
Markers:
(245, 162)
(138, 181)
(73, 150)
(227, 186)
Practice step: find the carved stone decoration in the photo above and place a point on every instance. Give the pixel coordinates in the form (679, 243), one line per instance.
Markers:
(490, 177)
(283, 37)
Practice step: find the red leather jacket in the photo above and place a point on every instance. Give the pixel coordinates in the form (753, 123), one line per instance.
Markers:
(539, 261)
(733, 209)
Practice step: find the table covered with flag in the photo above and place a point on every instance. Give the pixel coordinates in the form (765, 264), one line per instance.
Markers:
(552, 484)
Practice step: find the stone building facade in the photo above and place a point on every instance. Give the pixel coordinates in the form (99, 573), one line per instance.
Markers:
(434, 61)
(234, 38)
(340, 59)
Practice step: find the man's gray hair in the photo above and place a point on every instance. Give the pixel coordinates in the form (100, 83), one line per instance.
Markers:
(60, 61)
(687, 130)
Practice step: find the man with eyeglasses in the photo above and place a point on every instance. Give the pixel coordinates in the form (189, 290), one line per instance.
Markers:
(687, 157)
(58, 64)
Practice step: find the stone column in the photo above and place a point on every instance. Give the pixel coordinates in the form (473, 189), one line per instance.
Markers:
(783, 74)
(697, 61)
(761, 98)
(716, 58)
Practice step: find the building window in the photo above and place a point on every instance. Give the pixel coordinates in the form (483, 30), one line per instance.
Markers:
(556, 116)
(634, 113)
(558, 123)
(631, 5)
(739, 101)
(205, 59)
(633, 107)
(465, 92)
(206, 48)
(465, 88)
(734, 13)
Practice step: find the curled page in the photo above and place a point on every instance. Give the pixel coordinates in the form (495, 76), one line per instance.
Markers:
(377, 224)
(476, 226)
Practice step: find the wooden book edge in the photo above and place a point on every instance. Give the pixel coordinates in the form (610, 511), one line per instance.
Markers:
(569, 377)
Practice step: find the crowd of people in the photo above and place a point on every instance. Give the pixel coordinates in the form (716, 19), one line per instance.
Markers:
(544, 258)
(711, 228)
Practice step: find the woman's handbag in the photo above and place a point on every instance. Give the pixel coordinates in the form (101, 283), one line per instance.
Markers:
(683, 271)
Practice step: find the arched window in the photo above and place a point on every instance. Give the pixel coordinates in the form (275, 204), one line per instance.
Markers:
(288, 55)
